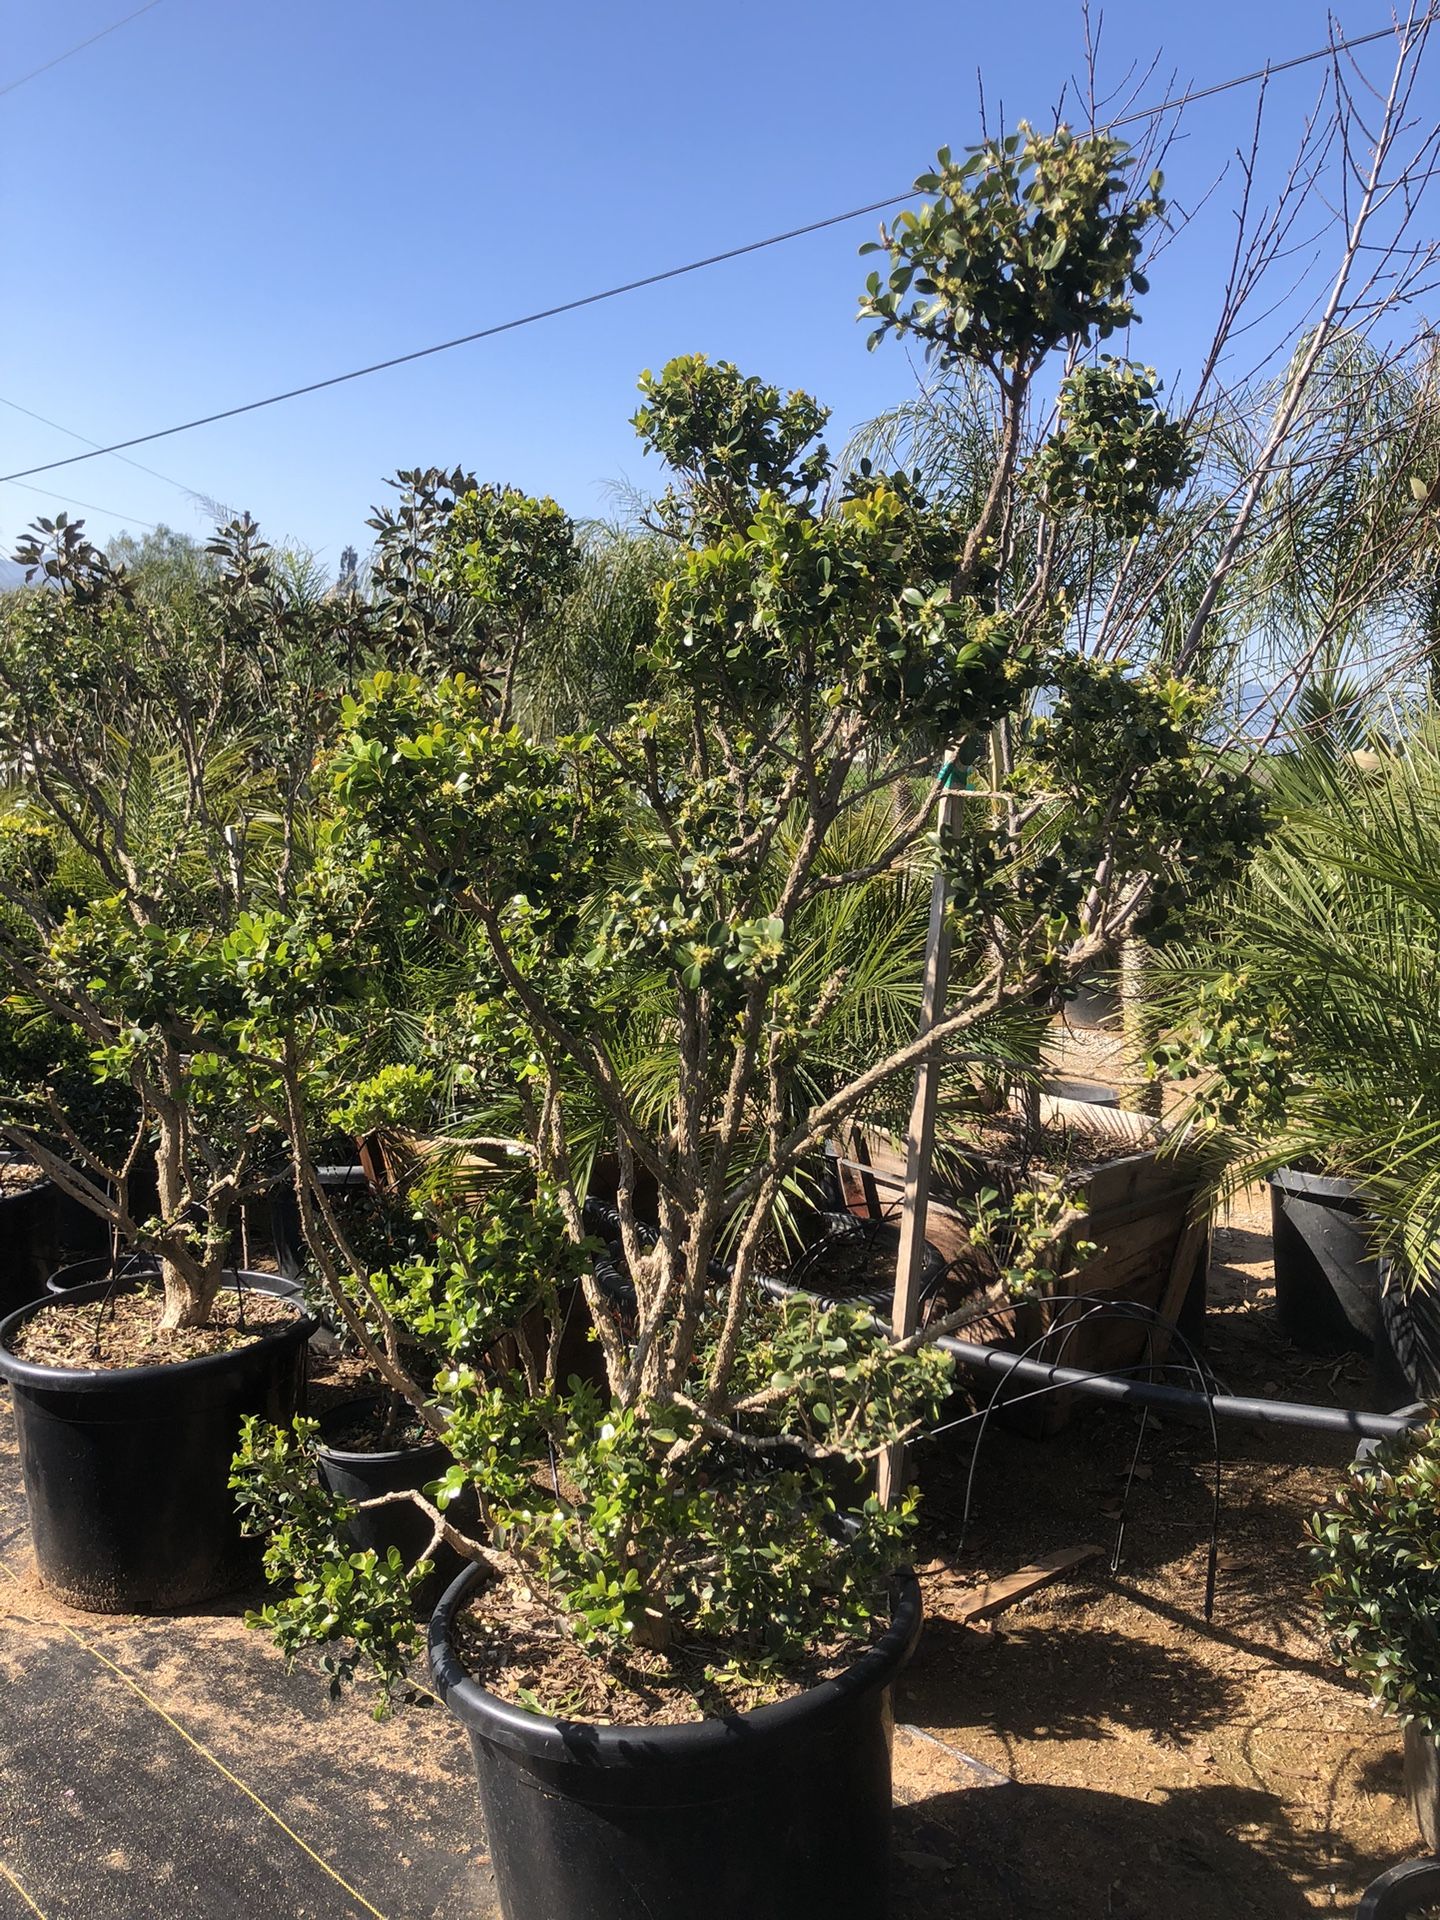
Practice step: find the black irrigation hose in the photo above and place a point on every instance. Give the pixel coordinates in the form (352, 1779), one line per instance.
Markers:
(1097, 1306)
(1118, 1385)
(1352, 1421)
(1146, 1393)
(122, 1267)
(1042, 1374)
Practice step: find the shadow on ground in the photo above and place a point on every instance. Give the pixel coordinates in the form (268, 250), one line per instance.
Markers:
(1204, 1853)
(1029, 1684)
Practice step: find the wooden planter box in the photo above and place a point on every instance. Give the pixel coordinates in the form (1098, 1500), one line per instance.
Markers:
(1422, 1782)
(1151, 1230)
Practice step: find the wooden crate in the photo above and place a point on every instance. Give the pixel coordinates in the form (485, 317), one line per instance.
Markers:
(1147, 1217)
(1145, 1214)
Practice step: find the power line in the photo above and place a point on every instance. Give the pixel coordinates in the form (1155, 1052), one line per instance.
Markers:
(90, 506)
(1271, 68)
(85, 439)
(656, 279)
(79, 47)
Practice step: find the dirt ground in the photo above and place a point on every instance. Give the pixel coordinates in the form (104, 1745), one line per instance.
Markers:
(1133, 1758)
(1159, 1762)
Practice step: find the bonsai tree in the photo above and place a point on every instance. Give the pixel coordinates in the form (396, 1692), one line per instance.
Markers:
(160, 746)
(824, 637)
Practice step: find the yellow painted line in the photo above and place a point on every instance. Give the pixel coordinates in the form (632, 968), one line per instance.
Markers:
(206, 1754)
(9, 1877)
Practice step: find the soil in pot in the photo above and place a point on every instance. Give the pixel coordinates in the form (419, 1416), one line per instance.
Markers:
(120, 1329)
(518, 1650)
(127, 1467)
(776, 1813)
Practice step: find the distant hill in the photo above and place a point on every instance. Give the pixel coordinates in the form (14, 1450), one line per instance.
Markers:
(10, 575)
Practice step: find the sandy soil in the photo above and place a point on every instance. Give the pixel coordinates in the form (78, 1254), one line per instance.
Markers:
(1160, 1762)
(1136, 1759)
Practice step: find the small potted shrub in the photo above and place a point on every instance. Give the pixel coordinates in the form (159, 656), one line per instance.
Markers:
(141, 828)
(673, 1645)
(1377, 1548)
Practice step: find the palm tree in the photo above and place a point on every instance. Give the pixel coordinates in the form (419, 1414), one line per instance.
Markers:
(1314, 987)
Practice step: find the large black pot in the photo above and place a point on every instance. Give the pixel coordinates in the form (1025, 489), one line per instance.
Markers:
(1407, 1345)
(771, 1815)
(27, 1241)
(81, 1233)
(361, 1476)
(127, 1470)
(286, 1236)
(84, 1273)
(1327, 1279)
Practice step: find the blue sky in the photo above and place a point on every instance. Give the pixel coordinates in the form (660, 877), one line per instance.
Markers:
(218, 200)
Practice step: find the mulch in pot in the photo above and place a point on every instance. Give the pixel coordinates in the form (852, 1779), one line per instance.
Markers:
(124, 1331)
(372, 1426)
(19, 1176)
(520, 1650)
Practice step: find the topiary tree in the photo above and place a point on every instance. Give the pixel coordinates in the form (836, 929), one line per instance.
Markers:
(823, 637)
(160, 747)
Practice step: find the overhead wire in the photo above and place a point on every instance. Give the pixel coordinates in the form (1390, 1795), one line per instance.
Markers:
(90, 506)
(79, 47)
(132, 519)
(666, 274)
(195, 493)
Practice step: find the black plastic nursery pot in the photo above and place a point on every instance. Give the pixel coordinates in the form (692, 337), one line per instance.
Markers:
(286, 1236)
(1327, 1280)
(359, 1476)
(778, 1814)
(84, 1273)
(127, 1470)
(1407, 1344)
(80, 1232)
(27, 1238)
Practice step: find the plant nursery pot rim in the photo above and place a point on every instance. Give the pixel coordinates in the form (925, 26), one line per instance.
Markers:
(1306, 1185)
(584, 1743)
(130, 1266)
(36, 1374)
(10, 1197)
(351, 1456)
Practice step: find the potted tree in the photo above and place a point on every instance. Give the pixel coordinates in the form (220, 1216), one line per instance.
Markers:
(677, 1625)
(154, 803)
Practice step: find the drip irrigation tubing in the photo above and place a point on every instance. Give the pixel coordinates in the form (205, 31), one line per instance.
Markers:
(1041, 1376)
(1183, 1401)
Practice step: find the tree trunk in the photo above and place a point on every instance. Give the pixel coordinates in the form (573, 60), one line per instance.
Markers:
(190, 1289)
(187, 1302)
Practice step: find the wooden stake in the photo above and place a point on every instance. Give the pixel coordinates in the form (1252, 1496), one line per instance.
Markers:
(920, 1137)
